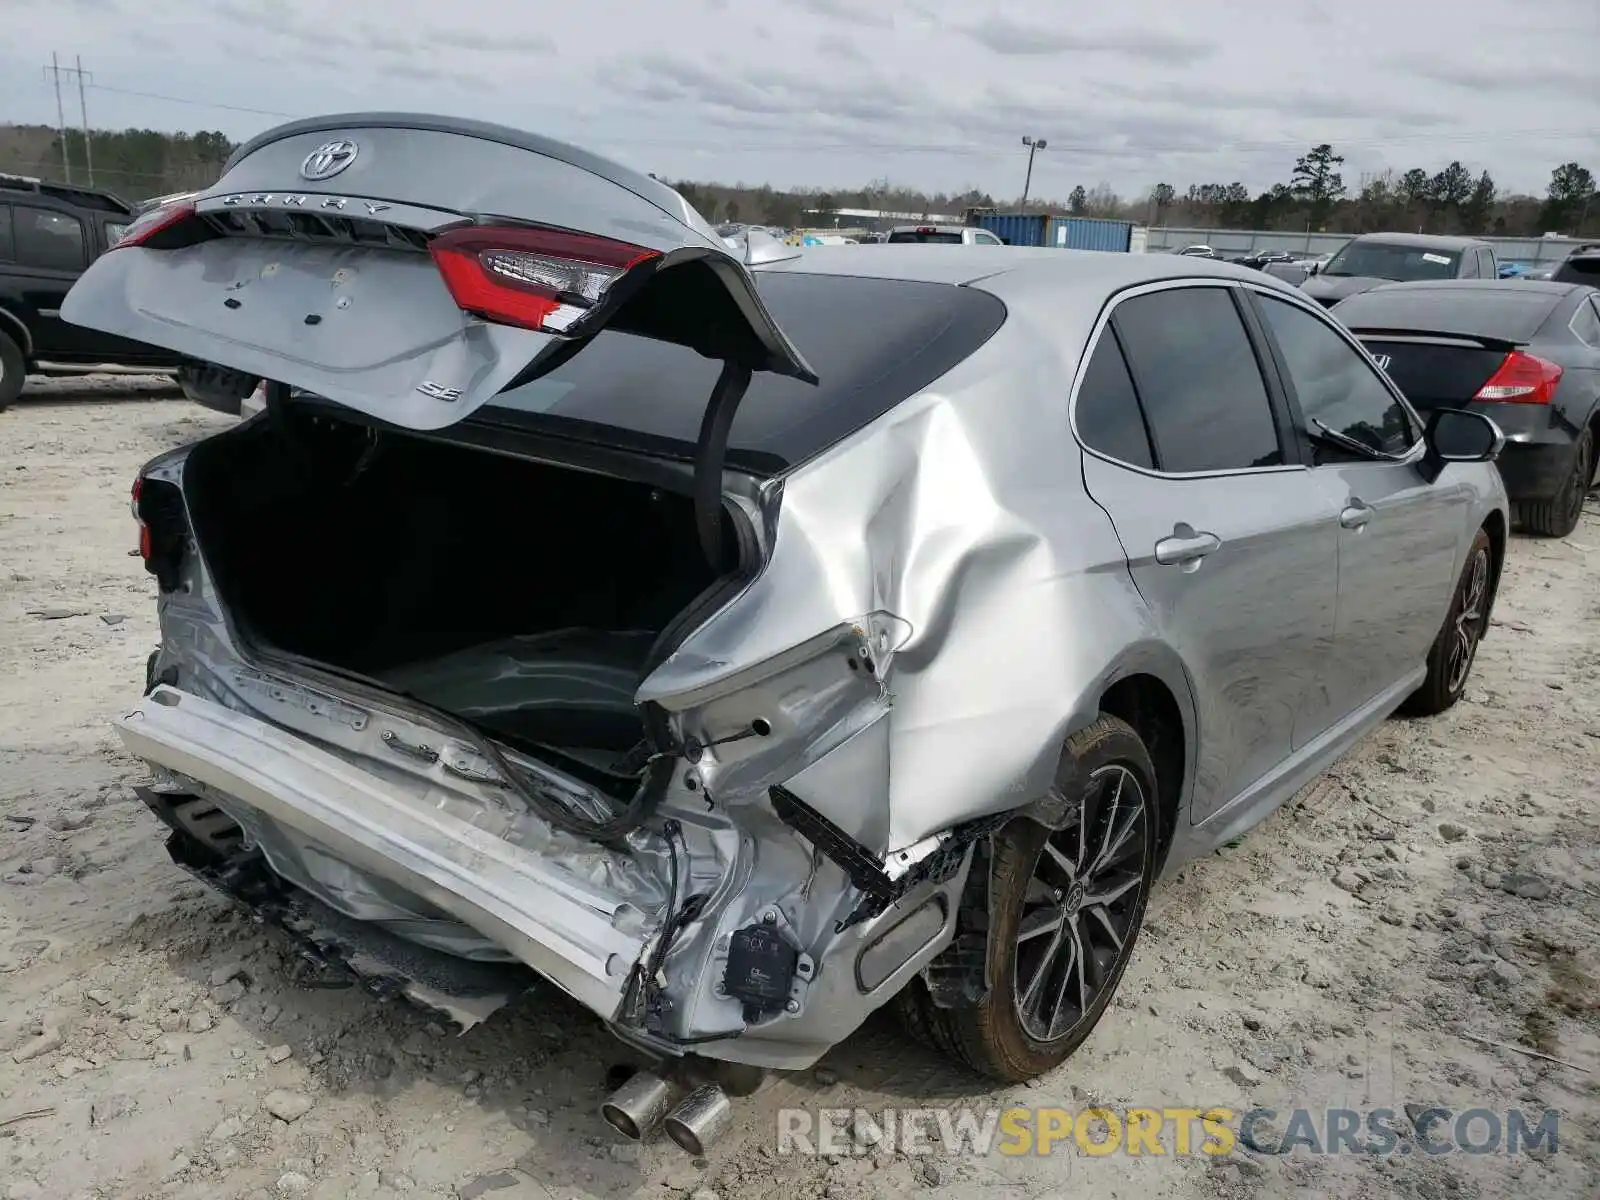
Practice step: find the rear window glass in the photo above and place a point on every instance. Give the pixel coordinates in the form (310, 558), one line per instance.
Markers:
(1513, 311)
(1393, 260)
(872, 342)
(5, 233)
(1584, 269)
(942, 239)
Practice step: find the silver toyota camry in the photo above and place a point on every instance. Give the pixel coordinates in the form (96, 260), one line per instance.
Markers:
(742, 637)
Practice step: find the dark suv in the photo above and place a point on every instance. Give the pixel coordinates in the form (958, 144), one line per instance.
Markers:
(1581, 266)
(49, 234)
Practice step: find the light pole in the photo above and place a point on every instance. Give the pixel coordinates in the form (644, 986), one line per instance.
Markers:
(1034, 145)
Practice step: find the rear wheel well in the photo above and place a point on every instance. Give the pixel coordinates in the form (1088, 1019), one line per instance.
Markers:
(1495, 526)
(13, 327)
(1148, 705)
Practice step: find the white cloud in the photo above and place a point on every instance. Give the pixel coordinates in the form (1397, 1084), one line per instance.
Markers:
(933, 93)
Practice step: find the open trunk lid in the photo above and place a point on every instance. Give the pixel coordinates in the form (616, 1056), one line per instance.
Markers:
(413, 267)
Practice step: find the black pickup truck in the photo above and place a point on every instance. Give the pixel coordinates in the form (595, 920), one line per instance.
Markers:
(49, 234)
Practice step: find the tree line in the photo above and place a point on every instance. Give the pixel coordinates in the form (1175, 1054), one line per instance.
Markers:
(134, 163)
(140, 163)
(1450, 200)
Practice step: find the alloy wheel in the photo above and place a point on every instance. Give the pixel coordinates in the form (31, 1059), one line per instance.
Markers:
(1081, 907)
(1467, 629)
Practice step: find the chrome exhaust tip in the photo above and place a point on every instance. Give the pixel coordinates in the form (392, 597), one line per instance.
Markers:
(700, 1119)
(637, 1107)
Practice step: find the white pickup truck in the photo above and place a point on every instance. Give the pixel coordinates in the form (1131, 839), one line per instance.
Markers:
(952, 235)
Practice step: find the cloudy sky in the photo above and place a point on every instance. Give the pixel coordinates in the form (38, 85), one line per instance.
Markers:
(834, 93)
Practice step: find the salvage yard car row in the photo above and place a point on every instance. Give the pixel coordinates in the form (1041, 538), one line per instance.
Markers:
(747, 637)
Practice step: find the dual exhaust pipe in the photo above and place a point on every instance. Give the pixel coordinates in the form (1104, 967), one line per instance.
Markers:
(696, 1123)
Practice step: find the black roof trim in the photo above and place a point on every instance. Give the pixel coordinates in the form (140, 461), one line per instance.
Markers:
(99, 199)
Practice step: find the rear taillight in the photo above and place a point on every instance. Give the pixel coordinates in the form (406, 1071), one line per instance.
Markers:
(1521, 379)
(161, 228)
(138, 517)
(541, 279)
(163, 529)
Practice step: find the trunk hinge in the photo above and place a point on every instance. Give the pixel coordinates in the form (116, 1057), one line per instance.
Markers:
(710, 451)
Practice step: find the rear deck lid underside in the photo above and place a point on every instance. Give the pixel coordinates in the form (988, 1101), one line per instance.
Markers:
(411, 268)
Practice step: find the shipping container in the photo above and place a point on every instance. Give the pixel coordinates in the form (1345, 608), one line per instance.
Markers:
(1017, 229)
(1089, 233)
(1069, 233)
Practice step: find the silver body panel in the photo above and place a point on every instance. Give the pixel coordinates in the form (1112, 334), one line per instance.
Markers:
(1000, 576)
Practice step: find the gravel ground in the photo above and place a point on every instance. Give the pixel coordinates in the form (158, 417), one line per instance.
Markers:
(1439, 887)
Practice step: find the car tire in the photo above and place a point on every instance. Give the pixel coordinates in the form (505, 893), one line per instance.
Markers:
(1454, 649)
(1042, 920)
(13, 371)
(1559, 516)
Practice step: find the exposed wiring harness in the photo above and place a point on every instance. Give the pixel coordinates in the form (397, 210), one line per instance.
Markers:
(648, 995)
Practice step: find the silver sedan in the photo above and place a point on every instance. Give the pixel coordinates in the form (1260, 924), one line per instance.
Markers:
(744, 636)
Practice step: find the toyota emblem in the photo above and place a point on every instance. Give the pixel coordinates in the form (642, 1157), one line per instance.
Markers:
(328, 159)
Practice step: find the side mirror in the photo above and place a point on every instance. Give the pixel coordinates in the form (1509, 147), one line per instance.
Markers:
(1314, 269)
(1005, 241)
(1459, 435)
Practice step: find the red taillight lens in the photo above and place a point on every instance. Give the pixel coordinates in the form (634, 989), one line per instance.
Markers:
(144, 530)
(156, 226)
(163, 529)
(1521, 379)
(541, 279)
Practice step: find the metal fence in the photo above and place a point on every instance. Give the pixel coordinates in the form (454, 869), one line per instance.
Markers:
(1241, 241)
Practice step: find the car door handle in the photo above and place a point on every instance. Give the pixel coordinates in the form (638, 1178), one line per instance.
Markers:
(1355, 515)
(1185, 548)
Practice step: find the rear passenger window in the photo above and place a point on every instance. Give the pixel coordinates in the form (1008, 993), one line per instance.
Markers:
(1198, 377)
(1107, 414)
(1585, 322)
(50, 240)
(5, 233)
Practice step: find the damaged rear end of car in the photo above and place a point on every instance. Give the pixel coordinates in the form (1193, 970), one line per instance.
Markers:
(428, 692)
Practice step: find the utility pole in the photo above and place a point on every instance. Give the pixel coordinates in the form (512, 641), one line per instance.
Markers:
(61, 118)
(56, 71)
(83, 112)
(1034, 145)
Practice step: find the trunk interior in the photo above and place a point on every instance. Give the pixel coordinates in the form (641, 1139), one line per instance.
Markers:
(522, 597)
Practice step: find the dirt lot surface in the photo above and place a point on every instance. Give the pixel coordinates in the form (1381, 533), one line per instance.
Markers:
(1435, 894)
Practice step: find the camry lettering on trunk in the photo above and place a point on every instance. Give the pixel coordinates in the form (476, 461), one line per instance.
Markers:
(300, 200)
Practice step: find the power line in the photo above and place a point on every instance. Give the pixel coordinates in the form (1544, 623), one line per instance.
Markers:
(971, 150)
(238, 108)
